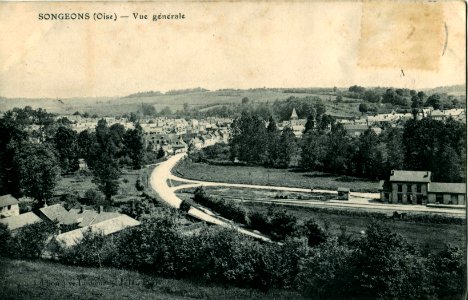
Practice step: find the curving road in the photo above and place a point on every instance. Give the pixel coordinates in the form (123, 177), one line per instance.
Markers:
(158, 180)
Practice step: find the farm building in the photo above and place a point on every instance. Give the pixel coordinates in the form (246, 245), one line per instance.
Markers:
(447, 193)
(9, 206)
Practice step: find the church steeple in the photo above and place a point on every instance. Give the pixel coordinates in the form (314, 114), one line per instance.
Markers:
(294, 115)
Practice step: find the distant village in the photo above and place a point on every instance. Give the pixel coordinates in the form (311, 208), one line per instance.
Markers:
(178, 135)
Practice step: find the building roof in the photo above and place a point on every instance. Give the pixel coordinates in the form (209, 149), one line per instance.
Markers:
(89, 217)
(58, 213)
(16, 222)
(342, 189)
(445, 187)
(410, 176)
(106, 227)
(6, 200)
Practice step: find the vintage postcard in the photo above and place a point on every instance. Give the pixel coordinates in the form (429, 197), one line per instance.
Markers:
(233, 150)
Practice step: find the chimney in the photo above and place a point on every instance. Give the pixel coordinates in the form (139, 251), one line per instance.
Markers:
(81, 209)
(101, 209)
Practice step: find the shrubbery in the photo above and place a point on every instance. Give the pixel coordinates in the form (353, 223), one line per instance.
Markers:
(278, 224)
(27, 242)
(378, 265)
(227, 209)
(92, 197)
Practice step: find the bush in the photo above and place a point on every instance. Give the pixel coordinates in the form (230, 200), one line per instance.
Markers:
(259, 221)
(185, 206)
(25, 207)
(70, 201)
(139, 186)
(5, 240)
(315, 235)
(136, 208)
(92, 197)
(448, 273)
(30, 241)
(323, 273)
(227, 209)
(283, 224)
(93, 250)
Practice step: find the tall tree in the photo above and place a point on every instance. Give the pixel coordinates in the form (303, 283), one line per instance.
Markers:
(248, 139)
(105, 164)
(66, 144)
(39, 170)
(287, 147)
(11, 136)
(272, 139)
(86, 141)
(434, 101)
(310, 124)
(363, 108)
(313, 150)
(134, 143)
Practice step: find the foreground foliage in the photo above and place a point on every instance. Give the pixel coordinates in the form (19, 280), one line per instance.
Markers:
(379, 265)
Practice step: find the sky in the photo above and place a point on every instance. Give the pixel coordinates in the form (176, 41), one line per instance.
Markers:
(229, 45)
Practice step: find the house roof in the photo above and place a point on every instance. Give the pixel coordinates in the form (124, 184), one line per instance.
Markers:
(410, 176)
(342, 189)
(89, 217)
(58, 213)
(16, 222)
(445, 187)
(6, 200)
(106, 227)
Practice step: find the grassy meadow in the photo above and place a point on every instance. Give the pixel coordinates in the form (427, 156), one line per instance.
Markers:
(48, 280)
(275, 177)
(80, 182)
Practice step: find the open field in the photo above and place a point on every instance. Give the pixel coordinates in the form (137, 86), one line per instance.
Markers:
(113, 106)
(79, 183)
(429, 237)
(274, 177)
(47, 280)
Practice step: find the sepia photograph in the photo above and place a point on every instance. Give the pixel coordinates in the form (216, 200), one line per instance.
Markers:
(233, 150)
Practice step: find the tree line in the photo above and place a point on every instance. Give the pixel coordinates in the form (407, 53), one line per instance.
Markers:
(427, 144)
(405, 97)
(35, 149)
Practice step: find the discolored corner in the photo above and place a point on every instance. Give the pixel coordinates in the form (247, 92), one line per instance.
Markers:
(403, 35)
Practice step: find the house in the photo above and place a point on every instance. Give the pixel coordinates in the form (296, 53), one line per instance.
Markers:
(406, 187)
(9, 206)
(446, 193)
(415, 187)
(179, 146)
(19, 221)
